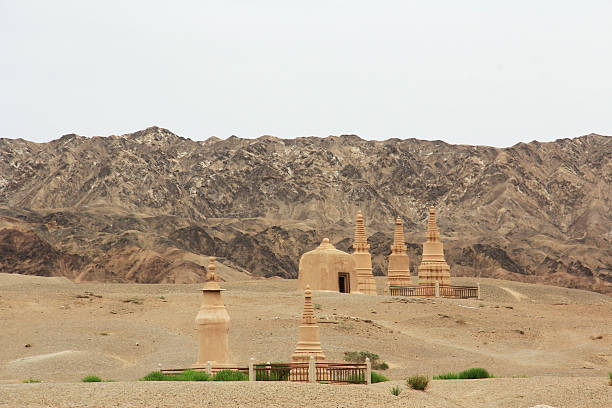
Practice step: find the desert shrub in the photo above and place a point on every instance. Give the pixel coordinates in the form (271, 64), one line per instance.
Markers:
(31, 380)
(92, 378)
(154, 376)
(230, 375)
(474, 373)
(378, 377)
(187, 375)
(468, 374)
(610, 375)
(360, 357)
(192, 375)
(418, 382)
(396, 390)
(447, 376)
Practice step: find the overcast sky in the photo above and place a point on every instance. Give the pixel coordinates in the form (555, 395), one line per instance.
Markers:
(475, 72)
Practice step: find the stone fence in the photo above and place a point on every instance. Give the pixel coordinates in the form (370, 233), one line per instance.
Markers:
(311, 371)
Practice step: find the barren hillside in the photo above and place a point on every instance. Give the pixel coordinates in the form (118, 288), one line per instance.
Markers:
(141, 207)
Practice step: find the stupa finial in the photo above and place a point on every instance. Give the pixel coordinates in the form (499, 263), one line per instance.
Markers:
(211, 276)
(360, 243)
(399, 242)
(433, 235)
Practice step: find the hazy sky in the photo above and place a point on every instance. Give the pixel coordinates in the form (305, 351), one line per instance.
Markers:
(476, 72)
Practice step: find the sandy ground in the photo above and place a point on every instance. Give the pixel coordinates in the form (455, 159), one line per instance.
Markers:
(560, 339)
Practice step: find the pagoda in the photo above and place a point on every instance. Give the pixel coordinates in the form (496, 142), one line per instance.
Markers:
(433, 266)
(363, 259)
(398, 273)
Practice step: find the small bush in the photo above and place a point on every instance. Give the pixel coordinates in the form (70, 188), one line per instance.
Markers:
(418, 382)
(230, 375)
(471, 373)
(154, 376)
(378, 377)
(191, 375)
(474, 373)
(92, 378)
(31, 380)
(360, 357)
(187, 375)
(447, 376)
(396, 390)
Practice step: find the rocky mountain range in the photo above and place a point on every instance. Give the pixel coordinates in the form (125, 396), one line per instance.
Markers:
(151, 206)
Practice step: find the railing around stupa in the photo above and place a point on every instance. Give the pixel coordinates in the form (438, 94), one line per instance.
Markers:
(312, 371)
(456, 292)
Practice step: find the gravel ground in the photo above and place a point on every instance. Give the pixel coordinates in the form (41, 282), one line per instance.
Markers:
(591, 392)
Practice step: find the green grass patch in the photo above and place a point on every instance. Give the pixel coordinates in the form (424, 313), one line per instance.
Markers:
(469, 374)
(187, 375)
(418, 382)
(231, 375)
(378, 377)
(92, 378)
(396, 390)
(31, 380)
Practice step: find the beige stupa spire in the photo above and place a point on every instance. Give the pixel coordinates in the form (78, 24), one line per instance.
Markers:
(309, 339)
(399, 263)
(213, 323)
(433, 266)
(363, 259)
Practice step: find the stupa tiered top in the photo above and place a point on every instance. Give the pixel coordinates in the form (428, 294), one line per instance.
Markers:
(363, 259)
(399, 263)
(433, 265)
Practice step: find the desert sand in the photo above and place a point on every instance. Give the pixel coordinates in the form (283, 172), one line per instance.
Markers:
(545, 344)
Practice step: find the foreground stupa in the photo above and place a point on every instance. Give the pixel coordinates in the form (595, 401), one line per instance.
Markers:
(363, 259)
(327, 268)
(213, 323)
(398, 273)
(433, 266)
(309, 338)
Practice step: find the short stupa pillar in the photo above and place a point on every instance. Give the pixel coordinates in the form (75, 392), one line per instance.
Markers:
(398, 273)
(363, 259)
(433, 266)
(309, 337)
(213, 323)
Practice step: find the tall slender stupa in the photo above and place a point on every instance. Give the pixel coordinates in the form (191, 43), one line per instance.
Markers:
(363, 259)
(213, 323)
(309, 339)
(399, 263)
(433, 266)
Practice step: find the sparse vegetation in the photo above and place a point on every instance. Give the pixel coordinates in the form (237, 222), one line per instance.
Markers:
(31, 380)
(356, 379)
(471, 373)
(187, 375)
(162, 297)
(418, 382)
(92, 378)
(610, 375)
(317, 306)
(360, 357)
(230, 375)
(396, 390)
(377, 377)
